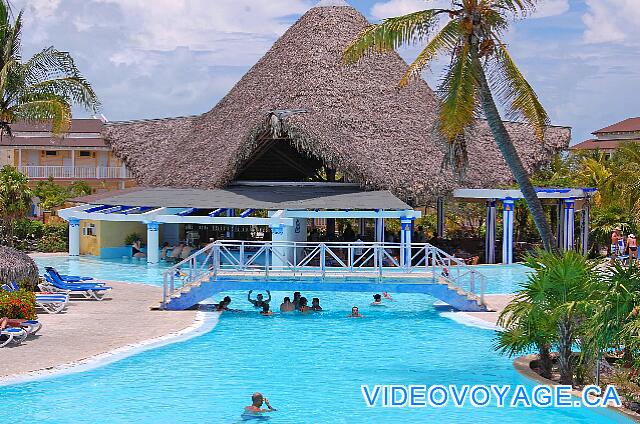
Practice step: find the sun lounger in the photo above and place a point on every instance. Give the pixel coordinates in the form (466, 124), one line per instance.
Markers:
(89, 291)
(12, 334)
(69, 278)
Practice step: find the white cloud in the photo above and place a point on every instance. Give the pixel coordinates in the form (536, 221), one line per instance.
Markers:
(547, 8)
(204, 25)
(392, 8)
(612, 21)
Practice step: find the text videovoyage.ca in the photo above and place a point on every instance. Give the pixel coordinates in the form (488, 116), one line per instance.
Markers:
(479, 396)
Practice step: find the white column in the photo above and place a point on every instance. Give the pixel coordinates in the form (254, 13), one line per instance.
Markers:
(379, 229)
(507, 231)
(405, 236)
(19, 159)
(278, 236)
(569, 224)
(153, 243)
(585, 219)
(73, 163)
(74, 237)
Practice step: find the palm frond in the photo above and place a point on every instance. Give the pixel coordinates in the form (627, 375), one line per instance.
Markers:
(517, 7)
(45, 107)
(391, 34)
(458, 91)
(515, 92)
(444, 41)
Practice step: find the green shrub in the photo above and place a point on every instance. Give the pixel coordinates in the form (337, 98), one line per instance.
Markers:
(132, 238)
(55, 238)
(18, 305)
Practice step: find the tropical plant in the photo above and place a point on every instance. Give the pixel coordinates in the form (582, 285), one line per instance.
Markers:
(55, 238)
(43, 88)
(480, 67)
(15, 200)
(132, 238)
(18, 304)
(54, 195)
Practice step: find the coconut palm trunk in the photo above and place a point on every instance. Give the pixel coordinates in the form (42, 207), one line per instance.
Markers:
(510, 155)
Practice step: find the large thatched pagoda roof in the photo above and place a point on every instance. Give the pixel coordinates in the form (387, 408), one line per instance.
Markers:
(16, 266)
(357, 120)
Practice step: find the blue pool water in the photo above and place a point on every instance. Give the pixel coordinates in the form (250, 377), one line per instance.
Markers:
(310, 367)
(500, 278)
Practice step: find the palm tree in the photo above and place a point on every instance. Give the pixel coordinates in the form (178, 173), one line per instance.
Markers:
(41, 89)
(15, 199)
(480, 67)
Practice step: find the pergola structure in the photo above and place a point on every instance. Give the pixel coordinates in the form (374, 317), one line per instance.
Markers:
(289, 205)
(568, 201)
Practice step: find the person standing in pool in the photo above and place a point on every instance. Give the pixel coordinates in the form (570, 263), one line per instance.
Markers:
(377, 300)
(224, 304)
(256, 405)
(259, 299)
(355, 313)
(315, 304)
(296, 301)
(286, 305)
(304, 308)
(265, 310)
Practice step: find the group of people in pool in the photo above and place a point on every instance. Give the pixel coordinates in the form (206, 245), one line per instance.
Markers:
(299, 303)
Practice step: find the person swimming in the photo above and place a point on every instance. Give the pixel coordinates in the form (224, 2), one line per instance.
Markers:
(377, 300)
(259, 299)
(224, 304)
(387, 296)
(355, 313)
(296, 300)
(303, 305)
(287, 305)
(265, 310)
(255, 410)
(315, 304)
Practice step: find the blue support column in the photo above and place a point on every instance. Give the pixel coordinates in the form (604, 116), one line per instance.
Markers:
(490, 233)
(230, 232)
(74, 237)
(507, 231)
(440, 212)
(569, 224)
(405, 240)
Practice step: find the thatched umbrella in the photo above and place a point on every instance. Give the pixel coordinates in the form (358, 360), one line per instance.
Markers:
(17, 266)
(356, 120)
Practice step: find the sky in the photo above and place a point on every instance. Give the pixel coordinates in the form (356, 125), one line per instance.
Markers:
(162, 58)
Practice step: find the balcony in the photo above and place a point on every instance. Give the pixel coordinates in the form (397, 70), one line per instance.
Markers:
(76, 173)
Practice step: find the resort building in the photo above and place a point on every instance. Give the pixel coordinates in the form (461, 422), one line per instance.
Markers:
(300, 137)
(609, 138)
(80, 154)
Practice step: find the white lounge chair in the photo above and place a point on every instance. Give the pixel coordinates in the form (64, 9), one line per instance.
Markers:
(11, 334)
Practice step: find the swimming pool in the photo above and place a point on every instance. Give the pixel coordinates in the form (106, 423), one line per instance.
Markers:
(310, 367)
(500, 278)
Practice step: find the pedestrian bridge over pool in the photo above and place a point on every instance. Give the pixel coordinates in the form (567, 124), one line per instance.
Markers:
(315, 266)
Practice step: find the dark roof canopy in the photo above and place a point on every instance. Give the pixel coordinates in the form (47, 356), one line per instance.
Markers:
(628, 125)
(254, 196)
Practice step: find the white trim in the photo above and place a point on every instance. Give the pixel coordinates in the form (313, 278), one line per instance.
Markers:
(488, 194)
(408, 213)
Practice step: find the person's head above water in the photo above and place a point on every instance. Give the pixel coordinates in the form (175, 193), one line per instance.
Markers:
(303, 301)
(260, 296)
(257, 399)
(296, 295)
(315, 301)
(287, 300)
(226, 300)
(377, 297)
(354, 311)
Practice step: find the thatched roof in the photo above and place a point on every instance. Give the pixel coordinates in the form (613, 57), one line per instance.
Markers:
(357, 121)
(17, 266)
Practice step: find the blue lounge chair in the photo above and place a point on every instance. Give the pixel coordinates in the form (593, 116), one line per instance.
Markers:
(68, 278)
(51, 303)
(11, 334)
(89, 291)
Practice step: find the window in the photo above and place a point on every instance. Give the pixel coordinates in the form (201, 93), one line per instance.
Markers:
(89, 230)
(51, 153)
(85, 154)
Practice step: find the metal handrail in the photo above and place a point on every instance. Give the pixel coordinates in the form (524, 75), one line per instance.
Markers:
(322, 259)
